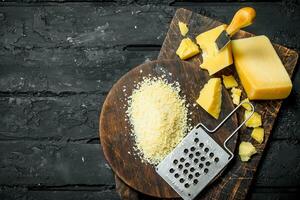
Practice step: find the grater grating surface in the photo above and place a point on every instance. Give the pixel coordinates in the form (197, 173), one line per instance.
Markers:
(196, 160)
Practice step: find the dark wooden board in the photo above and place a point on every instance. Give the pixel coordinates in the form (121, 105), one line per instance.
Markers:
(115, 134)
(237, 180)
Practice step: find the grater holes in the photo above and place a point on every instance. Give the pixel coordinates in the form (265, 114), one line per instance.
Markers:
(182, 159)
(202, 158)
(211, 154)
(187, 164)
(196, 140)
(197, 174)
(185, 151)
(193, 149)
(196, 160)
(181, 180)
(180, 166)
(207, 163)
(191, 155)
(200, 165)
(186, 185)
(197, 153)
(185, 171)
(175, 161)
(192, 169)
(206, 149)
(171, 170)
(216, 159)
(206, 170)
(190, 176)
(195, 181)
(201, 145)
(176, 175)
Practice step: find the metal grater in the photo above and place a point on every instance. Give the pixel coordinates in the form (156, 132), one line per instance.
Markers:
(196, 160)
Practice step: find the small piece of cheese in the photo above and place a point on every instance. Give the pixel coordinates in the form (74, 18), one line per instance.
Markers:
(183, 28)
(258, 134)
(236, 95)
(213, 59)
(260, 69)
(254, 121)
(187, 49)
(246, 150)
(229, 81)
(210, 97)
(246, 105)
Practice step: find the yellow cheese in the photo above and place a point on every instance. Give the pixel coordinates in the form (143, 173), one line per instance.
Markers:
(183, 28)
(213, 59)
(236, 95)
(254, 121)
(210, 97)
(187, 49)
(246, 150)
(246, 105)
(229, 81)
(258, 134)
(260, 69)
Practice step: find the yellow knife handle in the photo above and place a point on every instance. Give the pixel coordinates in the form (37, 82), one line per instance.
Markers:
(242, 18)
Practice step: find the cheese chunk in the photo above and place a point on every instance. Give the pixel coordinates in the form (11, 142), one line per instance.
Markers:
(254, 121)
(183, 28)
(210, 97)
(187, 49)
(246, 150)
(229, 81)
(260, 69)
(258, 134)
(213, 59)
(236, 95)
(246, 105)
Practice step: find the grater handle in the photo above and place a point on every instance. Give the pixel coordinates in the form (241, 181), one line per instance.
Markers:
(235, 131)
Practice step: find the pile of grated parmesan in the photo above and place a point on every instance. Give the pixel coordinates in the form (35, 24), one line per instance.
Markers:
(158, 117)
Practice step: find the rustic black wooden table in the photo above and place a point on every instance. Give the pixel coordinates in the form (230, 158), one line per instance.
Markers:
(58, 60)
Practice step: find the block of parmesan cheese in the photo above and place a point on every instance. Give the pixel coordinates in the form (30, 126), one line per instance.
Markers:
(260, 69)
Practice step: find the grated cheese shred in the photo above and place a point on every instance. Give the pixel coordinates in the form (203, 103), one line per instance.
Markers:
(158, 117)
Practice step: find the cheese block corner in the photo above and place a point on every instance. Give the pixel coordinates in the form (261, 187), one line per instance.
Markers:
(260, 69)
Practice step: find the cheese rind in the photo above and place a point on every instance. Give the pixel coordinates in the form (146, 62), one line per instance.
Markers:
(187, 49)
(183, 28)
(260, 69)
(213, 59)
(210, 97)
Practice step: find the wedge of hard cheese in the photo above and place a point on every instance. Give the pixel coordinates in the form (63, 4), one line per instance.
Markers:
(260, 69)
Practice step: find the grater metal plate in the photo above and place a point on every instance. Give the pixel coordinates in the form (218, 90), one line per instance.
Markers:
(195, 161)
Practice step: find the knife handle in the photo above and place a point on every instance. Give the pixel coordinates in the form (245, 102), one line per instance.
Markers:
(242, 18)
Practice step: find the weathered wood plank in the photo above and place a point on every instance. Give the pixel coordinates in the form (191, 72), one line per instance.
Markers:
(40, 164)
(44, 164)
(59, 70)
(67, 118)
(14, 193)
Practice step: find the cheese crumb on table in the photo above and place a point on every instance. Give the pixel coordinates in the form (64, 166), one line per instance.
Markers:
(246, 150)
(254, 121)
(183, 28)
(229, 81)
(246, 105)
(210, 98)
(158, 116)
(236, 95)
(258, 134)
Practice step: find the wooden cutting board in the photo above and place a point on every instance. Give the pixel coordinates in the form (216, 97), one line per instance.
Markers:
(236, 180)
(116, 141)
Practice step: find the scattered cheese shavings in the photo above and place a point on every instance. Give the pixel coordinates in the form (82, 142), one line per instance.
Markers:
(236, 95)
(158, 116)
(254, 121)
(246, 105)
(183, 28)
(258, 134)
(246, 150)
(229, 81)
